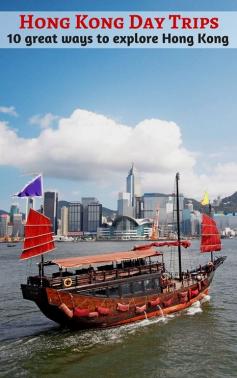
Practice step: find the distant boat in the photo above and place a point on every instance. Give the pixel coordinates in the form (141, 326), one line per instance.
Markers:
(11, 245)
(112, 289)
(62, 238)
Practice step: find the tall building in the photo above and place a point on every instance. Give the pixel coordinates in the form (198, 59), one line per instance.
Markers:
(85, 201)
(30, 205)
(74, 218)
(128, 203)
(4, 221)
(152, 203)
(161, 204)
(133, 184)
(92, 214)
(14, 209)
(124, 204)
(18, 228)
(139, 208)
(51, 208)
(64, 221)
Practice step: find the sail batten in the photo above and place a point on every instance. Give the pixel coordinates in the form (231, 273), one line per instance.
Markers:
(38, 235)
(210, 241)
(36, 245)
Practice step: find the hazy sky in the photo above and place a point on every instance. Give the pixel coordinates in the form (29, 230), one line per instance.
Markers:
(82, 116)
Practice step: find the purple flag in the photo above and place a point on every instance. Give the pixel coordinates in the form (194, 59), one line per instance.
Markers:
(32, 189)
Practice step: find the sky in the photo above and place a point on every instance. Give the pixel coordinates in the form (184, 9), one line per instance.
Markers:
(81, 117)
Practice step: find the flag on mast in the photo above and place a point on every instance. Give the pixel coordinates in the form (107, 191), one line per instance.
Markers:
(205, 200)
(34, 188)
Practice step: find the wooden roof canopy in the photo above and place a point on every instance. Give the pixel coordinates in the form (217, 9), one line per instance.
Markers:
(75, 262)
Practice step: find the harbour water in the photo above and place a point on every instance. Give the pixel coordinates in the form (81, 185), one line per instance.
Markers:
(200, 342)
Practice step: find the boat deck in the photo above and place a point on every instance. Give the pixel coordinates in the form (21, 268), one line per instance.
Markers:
(66, 279)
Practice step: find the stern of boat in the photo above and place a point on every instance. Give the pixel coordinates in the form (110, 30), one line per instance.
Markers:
(33, 293)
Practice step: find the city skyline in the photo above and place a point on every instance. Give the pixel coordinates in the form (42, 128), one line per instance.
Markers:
(135, 217)
(128, 203)
(21, 203)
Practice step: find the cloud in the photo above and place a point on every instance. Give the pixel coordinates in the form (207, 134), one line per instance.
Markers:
(10, 110)
(92, 147)
(44, 121)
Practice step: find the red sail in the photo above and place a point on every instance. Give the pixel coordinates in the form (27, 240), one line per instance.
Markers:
(210, 240)
(38, 235)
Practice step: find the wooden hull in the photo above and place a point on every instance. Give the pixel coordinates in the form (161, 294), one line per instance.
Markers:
(59, 306)
(73, 309)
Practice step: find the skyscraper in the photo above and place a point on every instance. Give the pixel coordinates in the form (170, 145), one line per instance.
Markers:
(124, 204)
(14, 209)
(133, 184)
(92, 214)
(18, 228)
(4, 221)
(51, 208)
(64, 221)
(74, 219)
(164, 204)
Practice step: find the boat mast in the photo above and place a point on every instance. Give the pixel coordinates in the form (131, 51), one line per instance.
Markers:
(41, 264)
(210, 214)
(178, 224)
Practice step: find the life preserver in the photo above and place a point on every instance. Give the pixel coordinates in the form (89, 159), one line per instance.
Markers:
(210, 266)
(67, 282)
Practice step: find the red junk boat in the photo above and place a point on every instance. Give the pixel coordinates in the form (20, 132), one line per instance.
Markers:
(112, 289)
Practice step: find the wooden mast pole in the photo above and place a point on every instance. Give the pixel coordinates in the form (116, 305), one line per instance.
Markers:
(42, 256)
(210, 213)
(178, 225)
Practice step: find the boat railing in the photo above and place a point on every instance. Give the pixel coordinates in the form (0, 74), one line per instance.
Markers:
(94, 276)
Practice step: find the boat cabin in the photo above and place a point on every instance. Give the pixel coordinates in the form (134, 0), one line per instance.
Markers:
(111, 275)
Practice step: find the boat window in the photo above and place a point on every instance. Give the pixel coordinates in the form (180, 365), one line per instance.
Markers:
(156, 283)
(113, 291)
(125, 288)
(148, 285)
(105, 267)
(101, 291)
(137, 286)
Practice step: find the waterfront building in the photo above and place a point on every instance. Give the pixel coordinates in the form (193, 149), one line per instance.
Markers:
(133, 185)
(125, 228)
(139, 208)
(64, 221)
(18, 228)
(124, 204)
(186, 223)
(85, 201)
(104, 233)
(224, 221)
(160, 205)
(191, 221)
(92, 214)
(14, 209)
(4, 221)
(74, 218)
(191, 224)
(30, 204)
(190, 205)
(9, 229)
(228, 232)
(51, 208)
(128, 204)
